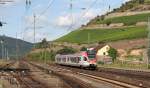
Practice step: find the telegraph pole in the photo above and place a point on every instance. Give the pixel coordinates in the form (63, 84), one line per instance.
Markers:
(7, 55)
(71, 8)
(88, 38)
(16, 46)
(34, 28)
(2, 47)
(148, 49)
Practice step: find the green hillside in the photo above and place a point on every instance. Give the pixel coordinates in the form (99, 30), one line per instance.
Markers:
(113, 34)
(130, 5)
(127, 20)
(104, 35)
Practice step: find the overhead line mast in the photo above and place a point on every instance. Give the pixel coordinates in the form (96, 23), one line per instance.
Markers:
(71, 15)
(84, 13)
(34, 28)
(148, 50)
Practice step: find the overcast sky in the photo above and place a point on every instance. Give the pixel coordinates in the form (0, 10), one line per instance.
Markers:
(53, 17)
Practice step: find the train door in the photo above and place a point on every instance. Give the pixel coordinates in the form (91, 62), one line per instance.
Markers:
(84, 61)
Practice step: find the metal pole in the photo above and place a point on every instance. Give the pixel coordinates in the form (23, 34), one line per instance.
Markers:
(34, 29)
(2, 48)
(5, 54)
(45, 55)
(16, 46)
(148, 50)
(88, 38)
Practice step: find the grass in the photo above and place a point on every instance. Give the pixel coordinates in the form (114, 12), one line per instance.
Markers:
(42, 56)
(125, 65)
(127, 20)
(104, 35)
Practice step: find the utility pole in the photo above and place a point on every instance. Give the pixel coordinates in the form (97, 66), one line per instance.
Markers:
(2, 47)
(148, 49)
(71, 15)
(16, 46)
(34, 28)
(88, 38)
(71, 8)
(7, 55)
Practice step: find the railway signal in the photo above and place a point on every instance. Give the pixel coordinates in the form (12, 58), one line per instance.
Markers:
(1, 23)
(28, 2)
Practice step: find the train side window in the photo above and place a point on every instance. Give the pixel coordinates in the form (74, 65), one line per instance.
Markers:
(79, 58)
(85, 59)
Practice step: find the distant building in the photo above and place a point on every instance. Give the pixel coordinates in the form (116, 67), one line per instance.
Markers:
(102, 50)
(102, 53)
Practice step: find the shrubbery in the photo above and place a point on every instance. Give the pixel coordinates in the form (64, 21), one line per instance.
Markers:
(100, 62)
(112, 53)
(66, 50)
(83, 49)
(42, 56)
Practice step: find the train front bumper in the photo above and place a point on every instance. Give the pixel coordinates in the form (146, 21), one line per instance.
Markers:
(93, 65)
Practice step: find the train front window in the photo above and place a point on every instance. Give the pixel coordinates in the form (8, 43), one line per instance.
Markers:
(91, 54)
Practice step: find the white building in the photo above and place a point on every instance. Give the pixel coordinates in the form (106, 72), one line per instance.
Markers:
(103, 51)
(102, 54)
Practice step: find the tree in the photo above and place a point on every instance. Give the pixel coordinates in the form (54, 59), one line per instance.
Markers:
(102, 17)
(108, 23)
(112, 53)
(83, 49)
(44, 43)
(141, 1)
(66, 50)
(101, 42)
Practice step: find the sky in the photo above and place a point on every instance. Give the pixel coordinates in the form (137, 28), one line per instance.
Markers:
(53, 18)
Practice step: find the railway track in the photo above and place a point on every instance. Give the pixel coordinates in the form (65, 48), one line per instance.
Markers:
(26, 80)
(127, 77)
(102, 78)
(29, 82)
(70, 82)
(20, 75)
(86, 73)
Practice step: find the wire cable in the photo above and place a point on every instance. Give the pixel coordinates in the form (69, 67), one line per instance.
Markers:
(82, 15)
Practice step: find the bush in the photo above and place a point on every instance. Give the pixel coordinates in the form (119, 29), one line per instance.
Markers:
(113, 53)
(108, 23)
(141, 1)
(149, 66)
(100, 62)
(83, 49)
(66, 50)
(43, 44)
(42, 56)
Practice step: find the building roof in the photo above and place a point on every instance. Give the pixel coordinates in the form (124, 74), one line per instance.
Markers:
(100, 46)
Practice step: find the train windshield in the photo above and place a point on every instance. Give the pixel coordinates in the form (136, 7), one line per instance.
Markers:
(91, 54)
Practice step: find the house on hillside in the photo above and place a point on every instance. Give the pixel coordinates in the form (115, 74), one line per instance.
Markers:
(102, 54)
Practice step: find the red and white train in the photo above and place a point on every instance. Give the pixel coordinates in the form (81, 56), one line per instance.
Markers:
(86, 59)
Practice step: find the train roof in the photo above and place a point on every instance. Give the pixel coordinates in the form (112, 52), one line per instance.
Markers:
(71, 55)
